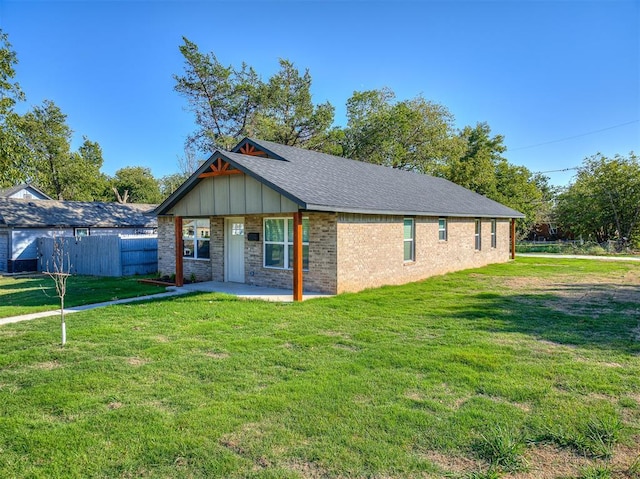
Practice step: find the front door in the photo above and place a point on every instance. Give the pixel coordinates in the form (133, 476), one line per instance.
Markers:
(234, 250)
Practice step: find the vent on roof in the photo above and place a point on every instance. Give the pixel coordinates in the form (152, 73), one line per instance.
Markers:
(31, 203)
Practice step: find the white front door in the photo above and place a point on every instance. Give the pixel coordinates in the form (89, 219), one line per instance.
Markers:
(234, 250)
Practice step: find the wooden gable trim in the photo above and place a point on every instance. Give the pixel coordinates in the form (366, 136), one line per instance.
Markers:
(219, 168)
(249, 149)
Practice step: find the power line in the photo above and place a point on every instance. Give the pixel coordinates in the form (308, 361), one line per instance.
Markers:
(574, 136)
(556, 171)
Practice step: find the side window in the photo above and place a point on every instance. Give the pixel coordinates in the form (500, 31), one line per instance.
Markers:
(409, 239)
(494, 232)
(478, 238)
(442, 229)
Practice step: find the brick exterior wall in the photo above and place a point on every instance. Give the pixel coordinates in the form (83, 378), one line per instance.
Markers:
(371, 249)
(201, 268)
(321, 276)
(166, 246)
(348, 252)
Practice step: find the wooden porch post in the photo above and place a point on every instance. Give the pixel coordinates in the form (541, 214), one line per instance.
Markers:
(179, 250)
(513, 238)
(297, 256)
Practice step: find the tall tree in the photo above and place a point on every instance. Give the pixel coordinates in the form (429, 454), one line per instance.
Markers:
(11, 148)
(51, 164)
(476, 168)
(223, 99)
(288, 115)
(413, 134)
(603, 203)
(230, 103)
(136, 184)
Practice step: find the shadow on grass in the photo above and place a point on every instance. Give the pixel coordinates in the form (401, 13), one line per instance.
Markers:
(588, 315)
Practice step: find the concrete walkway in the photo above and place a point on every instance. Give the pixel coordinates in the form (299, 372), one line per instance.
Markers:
(246, 291)
(579, 256)
(75, 309)
(236, 289)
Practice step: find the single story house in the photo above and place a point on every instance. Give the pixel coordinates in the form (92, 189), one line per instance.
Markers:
(273, 215)
(23, 221)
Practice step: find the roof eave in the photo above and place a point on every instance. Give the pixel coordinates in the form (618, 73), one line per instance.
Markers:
(340, 209)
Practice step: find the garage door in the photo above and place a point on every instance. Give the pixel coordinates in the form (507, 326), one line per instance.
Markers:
(4, 249)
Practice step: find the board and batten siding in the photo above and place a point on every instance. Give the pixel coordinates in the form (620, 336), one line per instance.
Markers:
(232, 195)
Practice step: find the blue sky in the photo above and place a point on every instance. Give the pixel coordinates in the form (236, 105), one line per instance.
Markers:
(560, 80)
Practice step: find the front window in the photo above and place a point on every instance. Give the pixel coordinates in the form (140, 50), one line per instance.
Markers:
(80, 232)
(478, 238)
(442, 229)
(409, 239)
(278, 243)
(494, 239)
(196, 236)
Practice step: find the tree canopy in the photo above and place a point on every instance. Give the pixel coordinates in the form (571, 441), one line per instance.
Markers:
(603, 203)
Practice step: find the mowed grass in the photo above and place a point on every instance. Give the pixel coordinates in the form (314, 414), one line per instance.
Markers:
(527, 369)
(24, 295)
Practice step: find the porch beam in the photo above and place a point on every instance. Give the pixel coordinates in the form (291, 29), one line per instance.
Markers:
(513, 238)
(297, 256)
(179, 249)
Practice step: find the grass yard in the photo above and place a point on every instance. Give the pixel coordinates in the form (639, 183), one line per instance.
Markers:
(20, 295)
(523, 370)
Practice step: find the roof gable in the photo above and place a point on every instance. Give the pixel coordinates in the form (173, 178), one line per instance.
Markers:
(24, 190)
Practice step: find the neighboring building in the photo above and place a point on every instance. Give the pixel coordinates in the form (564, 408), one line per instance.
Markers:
(22, 221)
(243, 213)
(25, 191)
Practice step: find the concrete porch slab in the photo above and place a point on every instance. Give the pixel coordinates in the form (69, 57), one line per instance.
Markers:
(247, 291)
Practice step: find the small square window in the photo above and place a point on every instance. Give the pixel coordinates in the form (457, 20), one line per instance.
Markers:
(80, 232)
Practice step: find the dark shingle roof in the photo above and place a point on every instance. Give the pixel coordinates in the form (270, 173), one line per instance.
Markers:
(41, 213)
(321, 182)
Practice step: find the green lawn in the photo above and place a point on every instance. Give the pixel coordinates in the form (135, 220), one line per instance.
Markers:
(31, 295)
(528, 366)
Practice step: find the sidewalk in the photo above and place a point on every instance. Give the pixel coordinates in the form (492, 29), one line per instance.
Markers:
(579, 256)
(75, 309)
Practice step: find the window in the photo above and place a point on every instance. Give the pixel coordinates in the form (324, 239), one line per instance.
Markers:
(80, 232)
(409, 239)
(196, 236)
(278, 243)
(494, 239)
(442, 229)
(477, 234)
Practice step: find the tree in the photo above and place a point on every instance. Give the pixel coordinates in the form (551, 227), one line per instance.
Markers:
(483, 168)
(476, 168)
(136, 184)
(170, 183)
(414, 134)
(603, 203)
(58, 268)
(223, 99)
(230, 103)
(11, 151)
(288, 115)
(50, 164)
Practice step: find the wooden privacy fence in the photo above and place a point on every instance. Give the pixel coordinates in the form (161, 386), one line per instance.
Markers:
(107, 255)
